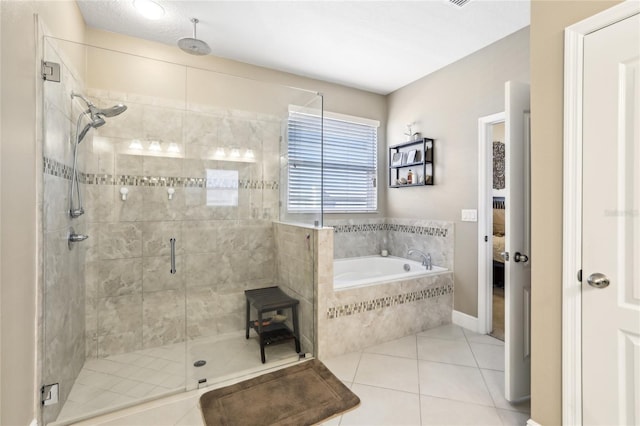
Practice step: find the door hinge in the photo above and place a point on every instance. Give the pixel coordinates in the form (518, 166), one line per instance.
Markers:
(486, 238)
(579, 275)
(49, 394)
(51, 71)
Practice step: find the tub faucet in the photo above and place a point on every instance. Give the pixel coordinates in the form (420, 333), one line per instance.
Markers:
(426, 258)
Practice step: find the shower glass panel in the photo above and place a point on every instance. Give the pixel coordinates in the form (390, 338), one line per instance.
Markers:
(234, 132)
(181, 198)
(114, 315)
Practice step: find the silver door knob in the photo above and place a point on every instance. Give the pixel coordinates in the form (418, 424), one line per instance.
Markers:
(519, 257)
(598, 280)
(505, 255)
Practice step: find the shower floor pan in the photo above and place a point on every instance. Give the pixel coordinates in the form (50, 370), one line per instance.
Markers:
(128, 379)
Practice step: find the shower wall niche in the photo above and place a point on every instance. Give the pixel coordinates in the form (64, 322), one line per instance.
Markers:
(196, 159)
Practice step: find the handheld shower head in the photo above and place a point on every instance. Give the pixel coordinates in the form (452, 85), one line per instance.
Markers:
(97, 115)
(96, 122)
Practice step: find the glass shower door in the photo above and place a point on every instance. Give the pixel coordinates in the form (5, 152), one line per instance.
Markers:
(114, 307)
(233, 236)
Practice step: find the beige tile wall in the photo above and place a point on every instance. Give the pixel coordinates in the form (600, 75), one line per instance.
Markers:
(367, 237)
(133, 301)
(295, 253)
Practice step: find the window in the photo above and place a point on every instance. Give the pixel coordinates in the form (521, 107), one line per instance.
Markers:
(350, 163)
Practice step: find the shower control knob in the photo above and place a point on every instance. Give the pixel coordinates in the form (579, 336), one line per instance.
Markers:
(75, 238)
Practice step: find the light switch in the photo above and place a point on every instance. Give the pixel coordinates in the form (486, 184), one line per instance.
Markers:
(469, 215)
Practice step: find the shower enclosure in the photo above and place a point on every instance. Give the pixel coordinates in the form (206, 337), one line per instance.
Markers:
(182, 195)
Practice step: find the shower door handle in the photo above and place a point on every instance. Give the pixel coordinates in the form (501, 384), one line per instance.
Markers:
(172, 242)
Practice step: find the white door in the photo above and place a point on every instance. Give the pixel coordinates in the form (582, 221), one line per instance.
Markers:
(517, 267)
(611, 226)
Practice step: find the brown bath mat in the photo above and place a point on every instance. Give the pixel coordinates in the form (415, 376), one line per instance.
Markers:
(304, 394)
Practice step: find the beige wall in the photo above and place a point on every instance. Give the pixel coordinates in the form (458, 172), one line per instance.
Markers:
(548, 20)
(19, 185)
(447, 105)
(339, 99)
(18, 226)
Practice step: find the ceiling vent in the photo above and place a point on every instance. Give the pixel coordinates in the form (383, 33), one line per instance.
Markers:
(459, 3)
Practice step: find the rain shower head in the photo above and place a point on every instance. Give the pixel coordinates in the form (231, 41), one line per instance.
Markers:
(193, 45)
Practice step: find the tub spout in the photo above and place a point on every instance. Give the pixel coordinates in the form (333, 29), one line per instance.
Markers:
(426, 258)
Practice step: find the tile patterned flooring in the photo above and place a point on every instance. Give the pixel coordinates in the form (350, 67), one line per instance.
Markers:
(444, 376)
(126, 379)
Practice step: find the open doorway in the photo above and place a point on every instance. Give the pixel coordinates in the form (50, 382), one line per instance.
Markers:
(498, 206)
(492, 204)
(514, 206)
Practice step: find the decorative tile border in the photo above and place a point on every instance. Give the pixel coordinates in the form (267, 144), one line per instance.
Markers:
(420, 230)
(385, 302)
(55, 168)
(363, 227)
(410, 229)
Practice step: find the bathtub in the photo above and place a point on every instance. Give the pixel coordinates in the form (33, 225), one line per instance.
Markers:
(371, 270)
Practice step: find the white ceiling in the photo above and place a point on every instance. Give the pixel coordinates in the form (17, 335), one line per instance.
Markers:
(377, 46)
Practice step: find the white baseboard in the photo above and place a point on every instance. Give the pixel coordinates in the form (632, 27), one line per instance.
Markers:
(464, 320)
(532, 423)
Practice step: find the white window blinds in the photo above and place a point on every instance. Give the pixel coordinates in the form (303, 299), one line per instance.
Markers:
(350, 163)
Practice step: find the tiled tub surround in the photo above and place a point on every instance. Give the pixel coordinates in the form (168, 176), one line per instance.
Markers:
(353, 319)
(430, 236)
(356, 318)
(367, 237)
(358, 237)
(63, 318)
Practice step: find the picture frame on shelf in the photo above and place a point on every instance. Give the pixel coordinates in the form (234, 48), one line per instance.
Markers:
(428, 155)
(396, 159)
(411, 156)
(404, 157)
